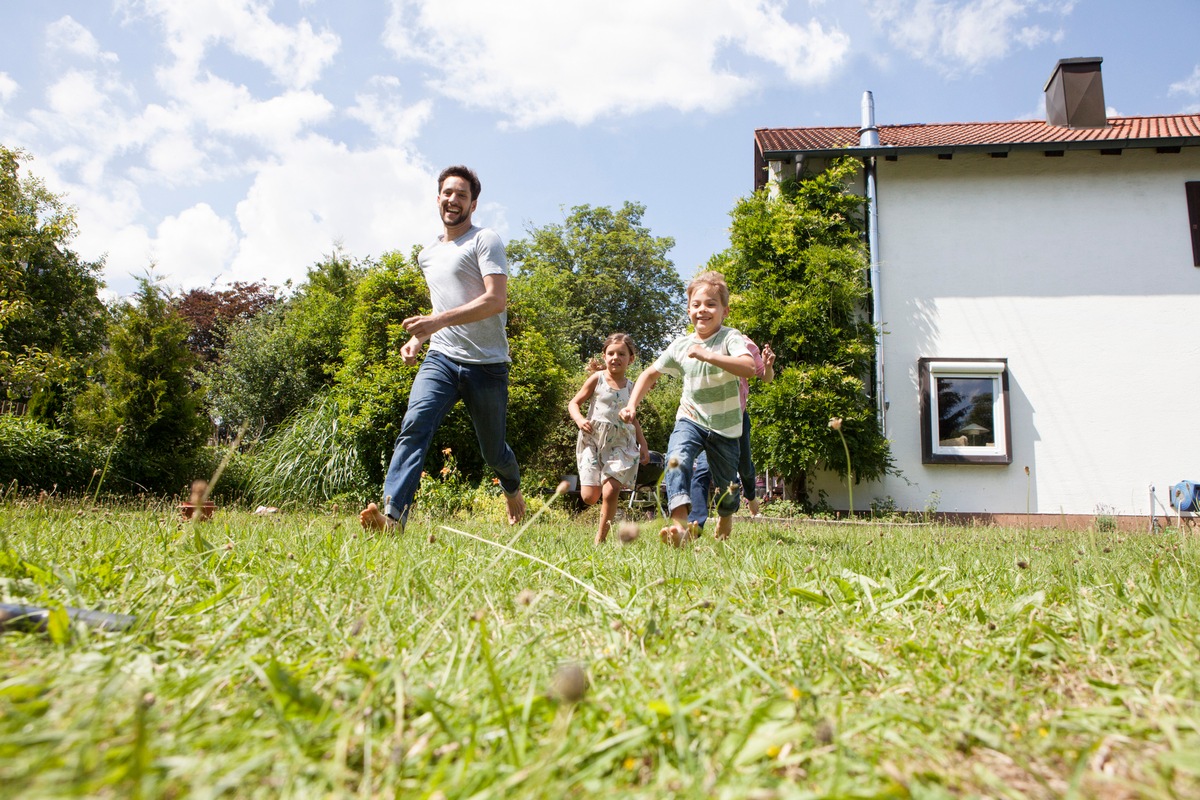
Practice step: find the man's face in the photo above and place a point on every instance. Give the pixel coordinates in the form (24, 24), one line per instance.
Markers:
(454, 202)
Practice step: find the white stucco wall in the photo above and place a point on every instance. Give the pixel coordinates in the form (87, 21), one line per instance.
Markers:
(1079, 271)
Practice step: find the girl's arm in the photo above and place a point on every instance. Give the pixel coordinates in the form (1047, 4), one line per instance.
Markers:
(645, 383)
(768, 357)
(582, 396)
(741, 366)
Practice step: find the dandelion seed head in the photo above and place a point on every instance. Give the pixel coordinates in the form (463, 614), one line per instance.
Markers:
(569, 684)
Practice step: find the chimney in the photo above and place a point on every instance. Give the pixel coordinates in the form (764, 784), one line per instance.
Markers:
(1075, 94)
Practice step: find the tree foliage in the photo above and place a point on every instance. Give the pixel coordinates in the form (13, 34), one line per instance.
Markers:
(51, 317)
(211, 313)
(277, 362)
(797, 269)
(599, 272)
(145, 404)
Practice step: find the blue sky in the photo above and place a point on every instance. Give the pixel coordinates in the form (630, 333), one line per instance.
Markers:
(223, 140)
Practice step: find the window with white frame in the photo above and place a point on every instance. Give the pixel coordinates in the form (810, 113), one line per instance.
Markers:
(964, 411)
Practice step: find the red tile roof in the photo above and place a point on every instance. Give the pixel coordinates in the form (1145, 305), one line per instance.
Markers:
(1176, 129)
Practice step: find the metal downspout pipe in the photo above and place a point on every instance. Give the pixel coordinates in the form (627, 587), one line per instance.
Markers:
(868, 136)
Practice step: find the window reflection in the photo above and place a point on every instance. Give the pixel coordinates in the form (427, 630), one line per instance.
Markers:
(966, 411)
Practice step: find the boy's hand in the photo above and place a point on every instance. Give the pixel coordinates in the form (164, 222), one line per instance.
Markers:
(768, 356)
(628, 414)
(697, 352)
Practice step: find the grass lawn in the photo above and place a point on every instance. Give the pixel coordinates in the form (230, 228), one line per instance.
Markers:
(294, 656)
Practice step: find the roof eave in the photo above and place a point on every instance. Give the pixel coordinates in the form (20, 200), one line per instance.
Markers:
(996, 147)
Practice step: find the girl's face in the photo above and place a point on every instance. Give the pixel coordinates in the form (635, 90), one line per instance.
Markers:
(706, 311)
(617, 357)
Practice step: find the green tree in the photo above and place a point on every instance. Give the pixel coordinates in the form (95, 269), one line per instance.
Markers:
(51, 317)
(797, 267)
(145, 405)
(599, 272)
(278, 361)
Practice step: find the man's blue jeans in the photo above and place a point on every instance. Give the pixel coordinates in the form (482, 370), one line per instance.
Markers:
(439, 384)
(688, 441)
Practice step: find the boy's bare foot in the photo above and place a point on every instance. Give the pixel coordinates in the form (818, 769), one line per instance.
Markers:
(516, 507)
(372, 519)
(724, 527)
(674, 534)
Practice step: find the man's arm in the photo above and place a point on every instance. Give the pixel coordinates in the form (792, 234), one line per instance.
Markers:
(489, 304)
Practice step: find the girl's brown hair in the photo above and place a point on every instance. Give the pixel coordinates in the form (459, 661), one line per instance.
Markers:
(597, 364)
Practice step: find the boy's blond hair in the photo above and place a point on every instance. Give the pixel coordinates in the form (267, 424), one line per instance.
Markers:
(714, 279)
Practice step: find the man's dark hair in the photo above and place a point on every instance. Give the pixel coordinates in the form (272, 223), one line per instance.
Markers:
(466, 173)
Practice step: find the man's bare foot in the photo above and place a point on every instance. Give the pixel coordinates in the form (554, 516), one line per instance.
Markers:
(372, 519)
(516, 507)
(674, 534)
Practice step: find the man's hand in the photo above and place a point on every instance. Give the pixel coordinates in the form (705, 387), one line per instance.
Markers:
(411, 350)
(421, 327)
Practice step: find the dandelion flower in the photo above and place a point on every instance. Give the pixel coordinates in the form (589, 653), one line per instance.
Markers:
(836, 423)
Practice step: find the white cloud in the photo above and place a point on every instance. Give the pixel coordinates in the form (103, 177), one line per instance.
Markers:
(1189, 86)
(545, 61)
(195, 247)
(294, 55)
(386, 116)
(69, 37)
(967, 34)
(320, 194)
(8, 87)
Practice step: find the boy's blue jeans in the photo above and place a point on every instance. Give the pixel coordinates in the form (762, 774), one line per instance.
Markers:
(702, 483)
(688, 440)
(439, 384)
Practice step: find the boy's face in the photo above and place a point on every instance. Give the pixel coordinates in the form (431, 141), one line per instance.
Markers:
(706, 311)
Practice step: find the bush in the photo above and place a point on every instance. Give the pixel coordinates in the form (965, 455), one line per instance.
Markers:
(309, 459)
(36, 456)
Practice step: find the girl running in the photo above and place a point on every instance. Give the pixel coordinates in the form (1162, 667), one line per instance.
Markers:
(608, 450)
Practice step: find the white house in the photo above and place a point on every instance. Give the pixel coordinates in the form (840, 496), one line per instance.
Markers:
(1038, 285)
